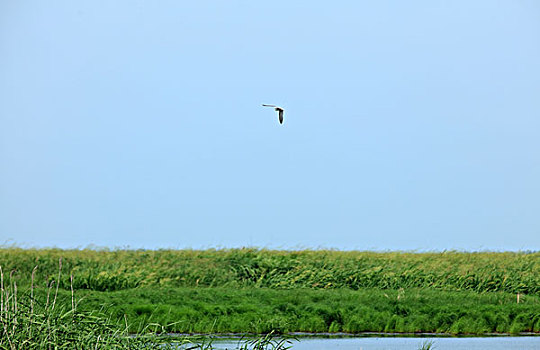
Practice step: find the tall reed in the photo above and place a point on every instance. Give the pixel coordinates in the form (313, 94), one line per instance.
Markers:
(30, 323)
(512, 272)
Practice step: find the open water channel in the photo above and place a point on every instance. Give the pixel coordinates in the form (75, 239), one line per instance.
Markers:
(405, 343)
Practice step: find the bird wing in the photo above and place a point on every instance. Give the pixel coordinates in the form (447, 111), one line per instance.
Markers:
(268, 105)
(281, 116)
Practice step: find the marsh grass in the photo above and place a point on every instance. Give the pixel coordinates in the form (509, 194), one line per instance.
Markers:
(427, 345)
(49, 322)
(259, 291)
(262, 310)
(510, 272)
(267, 342)
(32, 323)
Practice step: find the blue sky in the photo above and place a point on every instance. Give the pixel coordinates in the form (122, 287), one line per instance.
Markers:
(408, 125)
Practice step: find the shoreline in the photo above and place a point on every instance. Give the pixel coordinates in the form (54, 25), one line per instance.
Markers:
(352, 335)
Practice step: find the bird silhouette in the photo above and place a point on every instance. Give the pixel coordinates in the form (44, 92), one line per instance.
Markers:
(277, 109)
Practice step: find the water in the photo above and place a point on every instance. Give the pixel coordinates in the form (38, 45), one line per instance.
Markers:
(387, 343)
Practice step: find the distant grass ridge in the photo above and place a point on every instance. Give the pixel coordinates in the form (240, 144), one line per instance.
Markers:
(511, 272)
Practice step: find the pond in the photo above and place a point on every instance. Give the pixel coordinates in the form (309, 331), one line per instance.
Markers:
(406, 343)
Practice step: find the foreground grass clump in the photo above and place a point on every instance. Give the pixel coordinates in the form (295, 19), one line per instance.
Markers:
(44, 323)
(124, 269)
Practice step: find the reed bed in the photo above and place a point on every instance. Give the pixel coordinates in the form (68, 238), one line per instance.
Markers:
(263, 310)
(511, 272)
(28, 322)
(41, 323)
(261, 291)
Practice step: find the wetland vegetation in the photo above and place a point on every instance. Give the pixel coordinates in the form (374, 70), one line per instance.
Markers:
(117, 292)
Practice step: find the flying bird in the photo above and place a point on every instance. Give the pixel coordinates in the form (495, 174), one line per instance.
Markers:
(277, 109)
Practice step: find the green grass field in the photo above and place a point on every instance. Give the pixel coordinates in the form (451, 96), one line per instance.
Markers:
(257, 291)
(261, 310)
